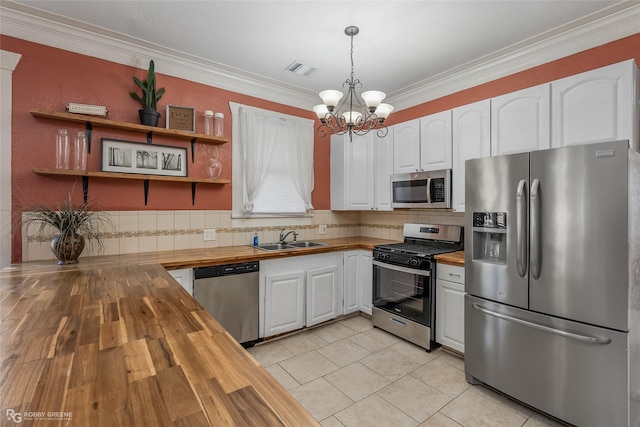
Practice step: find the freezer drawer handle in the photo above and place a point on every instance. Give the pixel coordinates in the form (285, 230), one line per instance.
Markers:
(521, 228)
(582, 338)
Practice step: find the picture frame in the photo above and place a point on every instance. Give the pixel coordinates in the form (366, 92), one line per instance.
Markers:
(140, 158)
(181, 118)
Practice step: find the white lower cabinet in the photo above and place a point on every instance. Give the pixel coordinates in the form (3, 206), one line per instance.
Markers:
(450, 306)
(184, 276)
(300, 291)
(358, 281)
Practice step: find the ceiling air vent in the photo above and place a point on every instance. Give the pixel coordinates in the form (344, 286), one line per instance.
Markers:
(300, 69)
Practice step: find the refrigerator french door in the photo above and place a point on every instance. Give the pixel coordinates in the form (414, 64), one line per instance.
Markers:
(552, 305)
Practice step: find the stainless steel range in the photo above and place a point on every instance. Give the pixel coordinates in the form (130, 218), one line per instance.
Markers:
(404, 281)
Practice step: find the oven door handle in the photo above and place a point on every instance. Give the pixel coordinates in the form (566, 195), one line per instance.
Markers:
(402, 269)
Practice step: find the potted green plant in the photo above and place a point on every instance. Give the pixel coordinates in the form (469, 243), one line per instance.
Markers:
(75, 225)
(150, 97)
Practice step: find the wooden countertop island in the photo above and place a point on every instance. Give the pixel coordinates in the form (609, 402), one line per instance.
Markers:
(116, 341)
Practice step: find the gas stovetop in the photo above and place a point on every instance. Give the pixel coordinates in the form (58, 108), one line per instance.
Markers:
(421, 243)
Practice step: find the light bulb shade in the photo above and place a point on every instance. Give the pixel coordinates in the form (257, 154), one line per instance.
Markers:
(383, 111)
(352, 117)
(373, 98)
(330, 97)
(321, 111)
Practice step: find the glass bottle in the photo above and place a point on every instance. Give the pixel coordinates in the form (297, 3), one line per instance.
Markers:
(80, 152)
(62, 149)
(218, 124)
(208, 122)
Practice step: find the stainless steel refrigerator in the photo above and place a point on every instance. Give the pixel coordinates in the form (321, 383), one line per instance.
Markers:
(552, 266)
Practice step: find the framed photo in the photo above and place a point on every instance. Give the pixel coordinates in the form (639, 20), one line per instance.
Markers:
(181, 118)
(138, 157)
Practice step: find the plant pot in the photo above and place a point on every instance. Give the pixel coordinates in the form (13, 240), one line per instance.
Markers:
(67, 248)
(149, 117)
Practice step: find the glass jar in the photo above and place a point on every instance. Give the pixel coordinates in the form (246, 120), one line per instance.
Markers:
(80, 152)
(62, 149)
(214, 167)
(218, 124)
(208, 122)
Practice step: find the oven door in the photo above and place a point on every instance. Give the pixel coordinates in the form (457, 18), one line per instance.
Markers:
(406, 292)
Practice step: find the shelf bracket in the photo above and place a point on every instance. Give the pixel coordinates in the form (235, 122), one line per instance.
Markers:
(149, 137)
(85, 188)
(193, 150)
(193, 193)
(89, 129)
(146, 191)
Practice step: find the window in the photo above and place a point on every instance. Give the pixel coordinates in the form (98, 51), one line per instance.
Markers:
(273, 163)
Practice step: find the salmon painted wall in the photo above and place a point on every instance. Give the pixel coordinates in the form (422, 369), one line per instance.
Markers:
(49, 79)
(607, 54)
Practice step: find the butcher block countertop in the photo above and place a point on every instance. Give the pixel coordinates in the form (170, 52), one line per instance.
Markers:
(452, 258)
(116, 341)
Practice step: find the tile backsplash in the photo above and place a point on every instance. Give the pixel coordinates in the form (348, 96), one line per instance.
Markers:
(150, 231)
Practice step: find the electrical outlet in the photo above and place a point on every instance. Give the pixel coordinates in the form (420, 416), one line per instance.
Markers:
(322, 229)
(209, 234)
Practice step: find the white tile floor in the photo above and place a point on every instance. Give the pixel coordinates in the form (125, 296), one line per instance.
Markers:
(350, 374)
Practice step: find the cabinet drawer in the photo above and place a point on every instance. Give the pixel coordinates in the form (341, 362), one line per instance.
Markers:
(451, 273)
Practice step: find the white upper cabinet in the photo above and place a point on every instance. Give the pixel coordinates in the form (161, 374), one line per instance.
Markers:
(423, 144)
(406, 147)
(361, 171)
(435, 141)
(521, 121)
(382, 171)
(595, 106)
(471, 140)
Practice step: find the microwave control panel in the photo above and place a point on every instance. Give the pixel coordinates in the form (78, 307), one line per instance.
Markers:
(437, 190)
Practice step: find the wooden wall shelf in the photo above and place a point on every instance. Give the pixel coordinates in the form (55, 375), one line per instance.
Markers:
(85, 175)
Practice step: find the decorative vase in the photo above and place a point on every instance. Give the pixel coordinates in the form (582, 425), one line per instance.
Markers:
(214, 168)
(67, 248)
(149, 117)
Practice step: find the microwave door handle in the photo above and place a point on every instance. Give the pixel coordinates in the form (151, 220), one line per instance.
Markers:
(535, 229)
(521, 228)
(428, 190)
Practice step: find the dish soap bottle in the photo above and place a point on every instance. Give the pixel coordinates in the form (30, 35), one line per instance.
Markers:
(255, 239)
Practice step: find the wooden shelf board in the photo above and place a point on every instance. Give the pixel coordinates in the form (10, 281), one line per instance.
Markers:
(117, 175)
(132, 127)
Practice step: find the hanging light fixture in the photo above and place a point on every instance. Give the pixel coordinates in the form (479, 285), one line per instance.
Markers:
(351, 115)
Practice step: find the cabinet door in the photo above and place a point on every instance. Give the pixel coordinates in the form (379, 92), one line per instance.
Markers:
(435, 141)
(351, 279)
(322, 295)
(184, 276)
(382, 171)
(352, 171)
(450, 314)
(406, 147)
(596, 106)
(471, 139)
(365, 285)
(284, 303)
(521, 121)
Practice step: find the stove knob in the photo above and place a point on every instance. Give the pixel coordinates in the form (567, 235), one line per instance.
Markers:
(414, 262)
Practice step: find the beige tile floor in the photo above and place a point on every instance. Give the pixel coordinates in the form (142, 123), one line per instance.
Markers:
(350, 374)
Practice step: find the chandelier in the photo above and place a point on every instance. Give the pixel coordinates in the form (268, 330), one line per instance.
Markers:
(341, 115)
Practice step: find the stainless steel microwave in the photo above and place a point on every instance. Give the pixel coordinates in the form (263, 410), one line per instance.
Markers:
(421, 189)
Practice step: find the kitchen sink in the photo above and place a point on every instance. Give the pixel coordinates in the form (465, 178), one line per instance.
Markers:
(289, 245)
(306, 244)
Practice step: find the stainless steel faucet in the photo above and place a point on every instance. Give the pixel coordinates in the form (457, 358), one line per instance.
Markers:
(283, 236)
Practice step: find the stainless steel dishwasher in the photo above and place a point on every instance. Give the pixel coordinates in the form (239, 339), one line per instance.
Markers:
(230, 293)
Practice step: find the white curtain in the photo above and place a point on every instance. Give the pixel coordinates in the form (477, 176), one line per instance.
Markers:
(300, 149)
(258, 136)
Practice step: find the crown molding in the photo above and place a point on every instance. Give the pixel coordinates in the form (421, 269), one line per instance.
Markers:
(34, 25)
(613, 23)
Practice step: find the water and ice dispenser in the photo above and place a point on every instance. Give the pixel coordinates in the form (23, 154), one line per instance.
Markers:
(490, 237)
